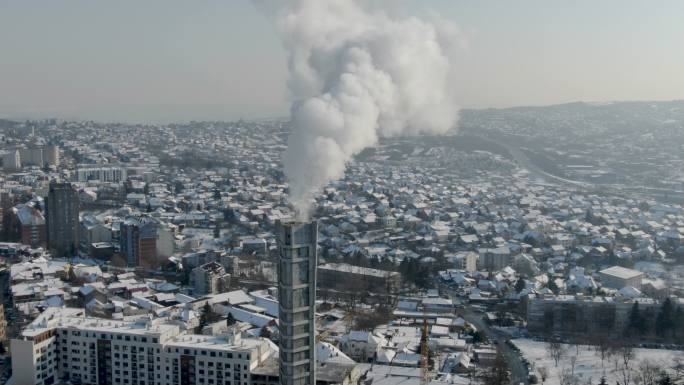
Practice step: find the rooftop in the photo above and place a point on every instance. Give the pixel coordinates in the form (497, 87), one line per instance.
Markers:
(621, 272)
(343, 267)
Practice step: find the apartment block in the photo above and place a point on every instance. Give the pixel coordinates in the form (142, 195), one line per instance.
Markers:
(345, 276)
(64, 344)
(578, 314)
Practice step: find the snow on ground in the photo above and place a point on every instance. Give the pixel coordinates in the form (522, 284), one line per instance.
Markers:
(588, 365)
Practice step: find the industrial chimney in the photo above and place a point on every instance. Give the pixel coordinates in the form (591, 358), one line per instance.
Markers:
(297, 296)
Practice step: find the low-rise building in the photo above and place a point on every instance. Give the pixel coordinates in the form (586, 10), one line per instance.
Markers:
(210, 278)
(617, 277)
(341, 275)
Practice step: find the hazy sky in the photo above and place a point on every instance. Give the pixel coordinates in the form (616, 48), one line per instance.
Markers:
(167, 60)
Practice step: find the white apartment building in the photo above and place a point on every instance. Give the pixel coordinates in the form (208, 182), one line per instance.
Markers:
(617, 277)
(86, 173)
(64, 344)
(11, 161)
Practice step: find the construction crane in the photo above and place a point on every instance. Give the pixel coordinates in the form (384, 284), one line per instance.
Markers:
(424, 355)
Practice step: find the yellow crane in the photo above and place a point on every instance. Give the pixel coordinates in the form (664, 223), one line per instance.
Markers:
(424, 355)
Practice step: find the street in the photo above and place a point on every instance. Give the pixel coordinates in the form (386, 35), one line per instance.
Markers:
(519, 374)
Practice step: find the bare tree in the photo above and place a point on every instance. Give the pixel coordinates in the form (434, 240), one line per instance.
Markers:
(677, 369)
(498, 372)
(565, 377)
(647, 373)
(556, 350)
(573, 362)
(623, 356)
(543, 373)
(603, 348)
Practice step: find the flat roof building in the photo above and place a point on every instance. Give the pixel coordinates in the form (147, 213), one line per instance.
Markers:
(339, 275)
(617, 277)
(64, 344)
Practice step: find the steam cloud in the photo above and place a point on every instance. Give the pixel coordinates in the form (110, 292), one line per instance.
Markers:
(357, 74)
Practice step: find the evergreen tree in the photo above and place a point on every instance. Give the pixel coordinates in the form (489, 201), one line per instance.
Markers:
(264, 332)
(665, 379)
(603, 381)
(477, 337)
(636, 323)
(678, 322)
(230, 320)
(665, 318)
(552, 285)
(520, 285)
(208, 316)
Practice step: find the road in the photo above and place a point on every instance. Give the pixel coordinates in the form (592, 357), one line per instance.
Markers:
(514, 360)
(519, 374)
(643, 192)
(525, 162)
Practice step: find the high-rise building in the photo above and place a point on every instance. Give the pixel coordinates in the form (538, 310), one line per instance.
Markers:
(11, 161)
(138, 241)
(297, 296)
(39, 156)
(61, 218)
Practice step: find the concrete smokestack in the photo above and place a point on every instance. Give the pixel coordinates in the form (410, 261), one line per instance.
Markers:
(297, 297)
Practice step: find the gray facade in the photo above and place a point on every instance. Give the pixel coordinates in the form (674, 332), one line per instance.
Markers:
(567, 314)
(297, 296)
(61, 218)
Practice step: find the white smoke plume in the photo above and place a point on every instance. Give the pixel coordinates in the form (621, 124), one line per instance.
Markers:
(357, 74)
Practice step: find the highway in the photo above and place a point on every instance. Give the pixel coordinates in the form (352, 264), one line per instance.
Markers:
(643, 192)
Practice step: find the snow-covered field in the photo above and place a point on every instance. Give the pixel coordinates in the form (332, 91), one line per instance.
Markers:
(588, 367)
